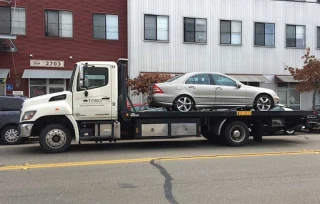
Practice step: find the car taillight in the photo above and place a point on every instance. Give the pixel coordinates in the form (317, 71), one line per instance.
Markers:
(156, 90)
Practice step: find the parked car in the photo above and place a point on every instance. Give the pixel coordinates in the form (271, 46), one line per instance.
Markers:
(209, 90)
(10, 107)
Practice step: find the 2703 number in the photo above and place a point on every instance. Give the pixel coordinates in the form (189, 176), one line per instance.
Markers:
(50, 63)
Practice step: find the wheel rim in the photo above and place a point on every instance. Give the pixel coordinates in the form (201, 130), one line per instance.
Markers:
(290, 131)
(237, 134)
(56, 138)
(264, 104)
(11, 135)
(184, 104)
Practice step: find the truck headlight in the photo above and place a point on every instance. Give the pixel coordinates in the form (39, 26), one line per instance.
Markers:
(28, 115)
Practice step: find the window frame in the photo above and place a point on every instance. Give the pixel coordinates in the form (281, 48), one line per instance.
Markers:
(210, 79)
(59, 36)
(105, 30)
(184, 30)
(47, 85)
(254, 35)
(305, 36)
(318, 38)
(11, 22)
(221, 75)
(230, 44)
(144, 28)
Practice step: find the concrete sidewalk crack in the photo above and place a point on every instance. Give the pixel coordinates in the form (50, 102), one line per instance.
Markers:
(167, 184)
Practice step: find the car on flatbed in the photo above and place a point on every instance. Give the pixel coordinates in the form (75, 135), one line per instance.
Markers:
(210, 90)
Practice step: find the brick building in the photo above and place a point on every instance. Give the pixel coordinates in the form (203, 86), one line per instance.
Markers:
(41, 40)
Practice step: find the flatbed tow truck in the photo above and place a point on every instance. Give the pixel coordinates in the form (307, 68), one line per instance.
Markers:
(95, 109)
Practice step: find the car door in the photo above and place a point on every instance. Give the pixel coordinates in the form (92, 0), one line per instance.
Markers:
(97, 105)
(200, 88)
(228, 92)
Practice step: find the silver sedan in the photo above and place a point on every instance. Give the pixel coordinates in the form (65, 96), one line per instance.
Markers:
(213, 90)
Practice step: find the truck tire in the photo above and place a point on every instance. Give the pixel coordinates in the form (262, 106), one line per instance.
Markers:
(55, 138)
(10, 136)
(236, 134)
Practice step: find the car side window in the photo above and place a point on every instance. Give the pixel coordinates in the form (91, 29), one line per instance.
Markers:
(203, 79)
(11, 104)
(96, 77)
(223, 80)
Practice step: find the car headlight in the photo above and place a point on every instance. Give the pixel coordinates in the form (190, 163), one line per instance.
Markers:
(28, 115)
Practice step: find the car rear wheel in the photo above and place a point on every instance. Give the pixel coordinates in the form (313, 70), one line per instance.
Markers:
(183, 104)
(263, 103)
(10, 135)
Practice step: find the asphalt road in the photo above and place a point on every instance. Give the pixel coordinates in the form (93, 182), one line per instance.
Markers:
(281, 169)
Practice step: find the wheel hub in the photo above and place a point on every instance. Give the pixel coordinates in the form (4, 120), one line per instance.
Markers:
(11, 135)
(184, 104)
(56, 138)
(264, 104)
(238, 134)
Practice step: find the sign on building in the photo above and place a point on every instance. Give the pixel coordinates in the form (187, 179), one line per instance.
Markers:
(9, 87)
(46, 63)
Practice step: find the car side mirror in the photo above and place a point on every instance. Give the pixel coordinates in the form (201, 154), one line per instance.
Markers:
(239, 86)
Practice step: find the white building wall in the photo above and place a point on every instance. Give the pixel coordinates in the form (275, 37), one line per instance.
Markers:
(176, 56)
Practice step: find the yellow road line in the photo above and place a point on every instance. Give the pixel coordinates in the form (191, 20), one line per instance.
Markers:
(141, 160)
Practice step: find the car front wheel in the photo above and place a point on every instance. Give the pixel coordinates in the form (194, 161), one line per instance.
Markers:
(10, 136)
(263, 103)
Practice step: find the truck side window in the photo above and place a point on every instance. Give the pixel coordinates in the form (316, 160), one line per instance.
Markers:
(96, 77)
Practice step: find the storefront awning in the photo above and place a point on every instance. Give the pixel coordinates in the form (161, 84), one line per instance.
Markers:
(46, 74)
(288, 79)
(4, 73)
(249, 78)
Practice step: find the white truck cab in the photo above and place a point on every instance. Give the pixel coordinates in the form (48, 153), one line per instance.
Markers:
(92, 96)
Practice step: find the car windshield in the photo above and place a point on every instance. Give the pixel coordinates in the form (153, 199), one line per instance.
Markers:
(174, 78)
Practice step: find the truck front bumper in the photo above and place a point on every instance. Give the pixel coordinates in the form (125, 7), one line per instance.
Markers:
(25, 130)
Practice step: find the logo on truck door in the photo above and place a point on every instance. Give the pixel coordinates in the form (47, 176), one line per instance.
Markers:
(92, 102)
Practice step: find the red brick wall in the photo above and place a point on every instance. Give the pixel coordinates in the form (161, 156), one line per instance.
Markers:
(81, 47)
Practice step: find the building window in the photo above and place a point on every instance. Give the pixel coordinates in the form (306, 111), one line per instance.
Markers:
(58, 24)
(105, 27)
(40, 87)
(12, 21)
(230, 32)
(156, 28)
(318, 37)
(296, 36)
(288, 95)
(264, 34)
(195, 30)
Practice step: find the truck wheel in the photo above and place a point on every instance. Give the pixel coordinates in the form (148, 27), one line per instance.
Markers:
(55, 138)
(10, 136)
(289, 132)
(236, 134)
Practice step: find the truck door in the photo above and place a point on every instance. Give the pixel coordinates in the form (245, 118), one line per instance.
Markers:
(92, 99)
